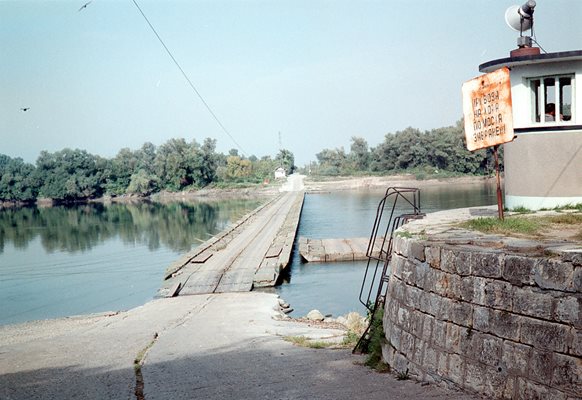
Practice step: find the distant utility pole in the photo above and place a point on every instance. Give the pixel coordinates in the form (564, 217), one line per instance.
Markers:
(280, 142)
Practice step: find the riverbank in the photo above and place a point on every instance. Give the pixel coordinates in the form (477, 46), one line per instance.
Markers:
(312, 184)
(340, 183)
(227, 346)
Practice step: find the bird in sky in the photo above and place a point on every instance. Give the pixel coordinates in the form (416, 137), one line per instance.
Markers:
(85, 5)
(25, 108)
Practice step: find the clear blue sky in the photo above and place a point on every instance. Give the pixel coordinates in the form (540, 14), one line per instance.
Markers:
(317, 71)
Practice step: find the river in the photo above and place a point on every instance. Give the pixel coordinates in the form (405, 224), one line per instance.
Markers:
(69, 260)
(334, 288)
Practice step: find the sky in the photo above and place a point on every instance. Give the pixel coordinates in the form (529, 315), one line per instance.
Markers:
(303, 75)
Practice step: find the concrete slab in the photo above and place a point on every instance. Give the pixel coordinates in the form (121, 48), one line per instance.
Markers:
(226, 346)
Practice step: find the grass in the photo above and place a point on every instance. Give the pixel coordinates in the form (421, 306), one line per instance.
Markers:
(137, 362)
(404, 234)
(521, 210)
(507, 226)
(377, 338)
(530, 225)
(304, 341)
(351, 339)
(577, 207)
(569, 219)
(402, 375)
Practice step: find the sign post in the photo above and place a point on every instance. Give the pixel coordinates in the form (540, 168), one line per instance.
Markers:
(489, 116)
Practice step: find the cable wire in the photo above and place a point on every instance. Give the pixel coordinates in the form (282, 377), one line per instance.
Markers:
(534, 38)
(188, 80)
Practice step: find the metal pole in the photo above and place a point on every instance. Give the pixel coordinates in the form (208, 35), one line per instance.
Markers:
(499, 198)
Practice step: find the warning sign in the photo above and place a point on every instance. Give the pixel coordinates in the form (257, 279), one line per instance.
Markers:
(487, 110)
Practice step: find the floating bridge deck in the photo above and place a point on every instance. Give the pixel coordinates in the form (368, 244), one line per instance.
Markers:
(332, 250)
(250, 254)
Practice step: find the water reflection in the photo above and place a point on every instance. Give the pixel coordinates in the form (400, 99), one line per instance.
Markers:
(68, 260)
(177, 226)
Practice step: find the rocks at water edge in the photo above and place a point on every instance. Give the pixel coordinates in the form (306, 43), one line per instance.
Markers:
(284, 308)
(315, 315)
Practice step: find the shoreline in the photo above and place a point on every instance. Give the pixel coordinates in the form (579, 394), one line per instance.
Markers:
(321, 184)
(341, 183)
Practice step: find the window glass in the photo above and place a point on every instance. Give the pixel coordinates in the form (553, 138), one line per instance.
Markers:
(551, 98)
(536, 95)
(566, 98)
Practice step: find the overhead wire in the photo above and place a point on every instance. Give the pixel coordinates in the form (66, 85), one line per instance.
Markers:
(189, 81)
(534, 38)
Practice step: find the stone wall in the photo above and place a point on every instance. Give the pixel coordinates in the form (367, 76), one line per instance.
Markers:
(493, 319)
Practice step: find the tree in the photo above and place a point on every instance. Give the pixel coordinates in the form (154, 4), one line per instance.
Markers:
(359, 154)
(69, 175)
(16, 180)
(208, 162)
(237, 168)
(120, 170)
(286, 160)
(142, 183)
(264, 168)
(171, 164)
(332, 162)
(146, 157)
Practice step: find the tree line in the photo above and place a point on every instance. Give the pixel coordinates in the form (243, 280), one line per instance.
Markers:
(71, 175)
(438, 151)
(177, 165)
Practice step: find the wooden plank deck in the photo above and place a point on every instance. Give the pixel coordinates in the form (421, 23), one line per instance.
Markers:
(331, 250)
(251, 254)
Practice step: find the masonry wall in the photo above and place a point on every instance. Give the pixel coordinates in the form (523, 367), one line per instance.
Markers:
(500, 324)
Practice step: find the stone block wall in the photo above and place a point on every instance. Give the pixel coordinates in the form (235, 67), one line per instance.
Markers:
(504, 325)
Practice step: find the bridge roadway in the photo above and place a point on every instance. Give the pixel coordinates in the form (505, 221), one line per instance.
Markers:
(253, 253)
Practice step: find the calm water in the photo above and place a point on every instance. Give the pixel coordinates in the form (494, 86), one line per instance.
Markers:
(60, 261)
(334, 288)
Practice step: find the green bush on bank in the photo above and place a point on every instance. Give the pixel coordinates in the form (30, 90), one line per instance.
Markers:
(438, 153)
(175, 166)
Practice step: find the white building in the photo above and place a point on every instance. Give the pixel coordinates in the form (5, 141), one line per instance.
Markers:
(280, 173)
(543, 165)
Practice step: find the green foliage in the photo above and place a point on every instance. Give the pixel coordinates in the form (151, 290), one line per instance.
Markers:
(521, 210)
(69, 175)
(304, 341)
(237, 168)
(402, 375)
(374, 347)
(143, 183)
(16, 180)
(507, 226)
(286, 160)
(432, 154)
(350, 339)
(331, 162)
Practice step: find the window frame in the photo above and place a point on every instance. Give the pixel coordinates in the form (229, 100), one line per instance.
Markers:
(538, 94)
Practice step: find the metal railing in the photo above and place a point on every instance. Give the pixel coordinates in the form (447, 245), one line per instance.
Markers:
(379, 251)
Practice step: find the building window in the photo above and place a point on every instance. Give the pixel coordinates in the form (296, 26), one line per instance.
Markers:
(552, 99)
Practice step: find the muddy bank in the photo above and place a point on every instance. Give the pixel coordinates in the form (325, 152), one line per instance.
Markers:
(382, 182)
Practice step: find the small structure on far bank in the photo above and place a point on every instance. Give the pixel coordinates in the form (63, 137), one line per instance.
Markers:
(280, 173)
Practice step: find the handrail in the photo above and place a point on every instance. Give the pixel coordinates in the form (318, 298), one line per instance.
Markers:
(382, 254)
